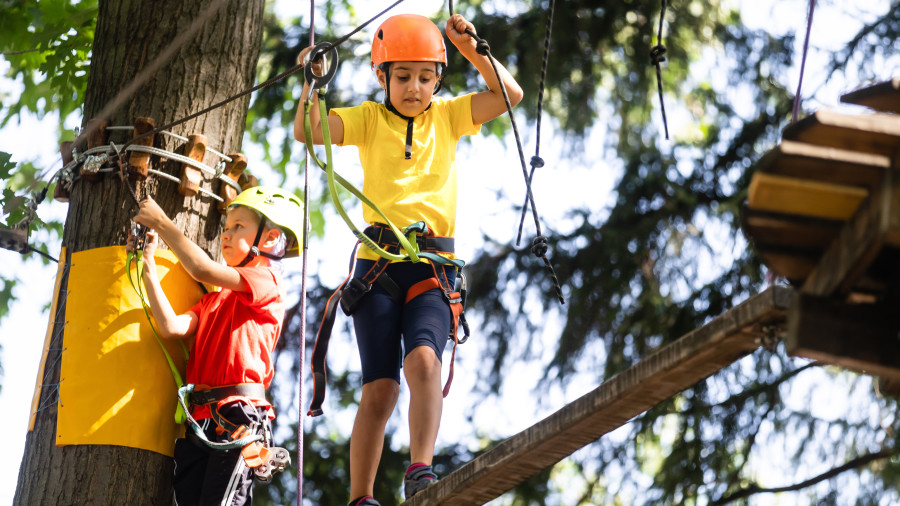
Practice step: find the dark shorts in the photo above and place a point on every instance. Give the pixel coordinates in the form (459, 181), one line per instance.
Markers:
(204, 476)
(386, 331)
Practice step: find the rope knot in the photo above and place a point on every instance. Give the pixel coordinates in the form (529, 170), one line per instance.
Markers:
(537, 162)
(657, 53)
(539, 246)
(483, 48)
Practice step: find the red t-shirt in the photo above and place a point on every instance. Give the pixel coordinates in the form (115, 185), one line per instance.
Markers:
(236, 334)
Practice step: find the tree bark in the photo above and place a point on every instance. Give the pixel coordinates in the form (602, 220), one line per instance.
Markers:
(218, 62)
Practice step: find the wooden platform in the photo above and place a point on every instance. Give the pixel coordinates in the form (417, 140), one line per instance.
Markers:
(847, 266)
(661, 375)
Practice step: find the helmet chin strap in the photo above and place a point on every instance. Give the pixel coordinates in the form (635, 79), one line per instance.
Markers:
(407, 154)
(254, 250)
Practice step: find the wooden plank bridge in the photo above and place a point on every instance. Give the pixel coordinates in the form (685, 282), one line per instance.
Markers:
(661, 375)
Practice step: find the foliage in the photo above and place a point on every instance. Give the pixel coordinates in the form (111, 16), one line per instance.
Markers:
(47, 45)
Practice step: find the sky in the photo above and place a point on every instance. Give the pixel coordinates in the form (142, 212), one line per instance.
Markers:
(22, 332)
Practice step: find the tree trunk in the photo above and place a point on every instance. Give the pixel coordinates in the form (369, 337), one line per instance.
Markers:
(216, 63)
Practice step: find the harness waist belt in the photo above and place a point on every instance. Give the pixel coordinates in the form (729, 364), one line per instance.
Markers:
(382, 234)
(253, 390)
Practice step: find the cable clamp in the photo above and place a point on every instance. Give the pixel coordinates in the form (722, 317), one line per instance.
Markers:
(93, 163)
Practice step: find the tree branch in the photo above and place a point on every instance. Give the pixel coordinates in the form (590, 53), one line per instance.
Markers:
(852, 464)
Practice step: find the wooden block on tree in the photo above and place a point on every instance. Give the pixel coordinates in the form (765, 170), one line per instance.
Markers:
(870, 133)
(788, 195)
(248, 180)
(195, 149)
(884, 97)
(233, 170)
(96, 136)
(60, 192)
(824, 164)
(860, 337)
(138, 161)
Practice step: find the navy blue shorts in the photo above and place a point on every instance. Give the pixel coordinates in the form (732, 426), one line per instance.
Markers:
(386, 331)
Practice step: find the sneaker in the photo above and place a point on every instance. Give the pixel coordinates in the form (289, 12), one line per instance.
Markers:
(365, 501)
(418, 476)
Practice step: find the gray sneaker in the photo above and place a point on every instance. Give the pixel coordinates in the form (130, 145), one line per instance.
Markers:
(417, 478)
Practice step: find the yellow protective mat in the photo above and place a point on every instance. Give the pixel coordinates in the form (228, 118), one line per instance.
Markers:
(116, 387)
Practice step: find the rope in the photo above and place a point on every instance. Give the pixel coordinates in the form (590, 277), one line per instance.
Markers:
(657, 56)
(539, 246)
(536, 160)
(796, 111)
(304, 257)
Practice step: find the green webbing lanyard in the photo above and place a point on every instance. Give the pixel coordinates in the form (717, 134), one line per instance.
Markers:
(136, 257)
(407, 238)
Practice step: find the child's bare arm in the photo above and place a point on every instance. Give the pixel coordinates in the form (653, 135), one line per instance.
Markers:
(192, 257)
(170, 324)
(335, 124)
(486, 105)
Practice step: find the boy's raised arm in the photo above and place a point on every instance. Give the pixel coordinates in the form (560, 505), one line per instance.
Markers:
(192, 257)
(486, 105)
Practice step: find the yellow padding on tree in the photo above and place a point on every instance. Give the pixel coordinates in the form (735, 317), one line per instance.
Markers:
(804, 197)
(116, 387)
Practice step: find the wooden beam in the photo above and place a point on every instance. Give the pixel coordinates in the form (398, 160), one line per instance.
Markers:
(884, 97)
(870, 133)
(875, 224)
(860, 337)
(661, 375)
(825, 164)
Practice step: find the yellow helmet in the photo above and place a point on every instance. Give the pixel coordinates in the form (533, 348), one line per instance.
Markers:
(281, 207)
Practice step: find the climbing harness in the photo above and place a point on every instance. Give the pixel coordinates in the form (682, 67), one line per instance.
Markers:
(254, 441)
(657, 56)
(349, 293)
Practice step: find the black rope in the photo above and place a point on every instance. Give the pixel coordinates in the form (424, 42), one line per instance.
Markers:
(657, 56)
(536, 160)
(539, 246)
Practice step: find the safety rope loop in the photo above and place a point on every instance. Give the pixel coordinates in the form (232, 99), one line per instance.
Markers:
(657, 56)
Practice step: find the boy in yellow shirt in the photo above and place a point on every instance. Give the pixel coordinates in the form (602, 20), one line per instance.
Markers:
(407, 148)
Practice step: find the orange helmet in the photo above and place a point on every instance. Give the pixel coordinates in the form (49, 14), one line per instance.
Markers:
(408, 37)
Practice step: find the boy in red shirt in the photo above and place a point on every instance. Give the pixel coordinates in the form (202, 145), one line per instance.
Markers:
(234, 333)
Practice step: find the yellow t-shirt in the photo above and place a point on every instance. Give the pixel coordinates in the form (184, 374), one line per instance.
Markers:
(422, 188)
